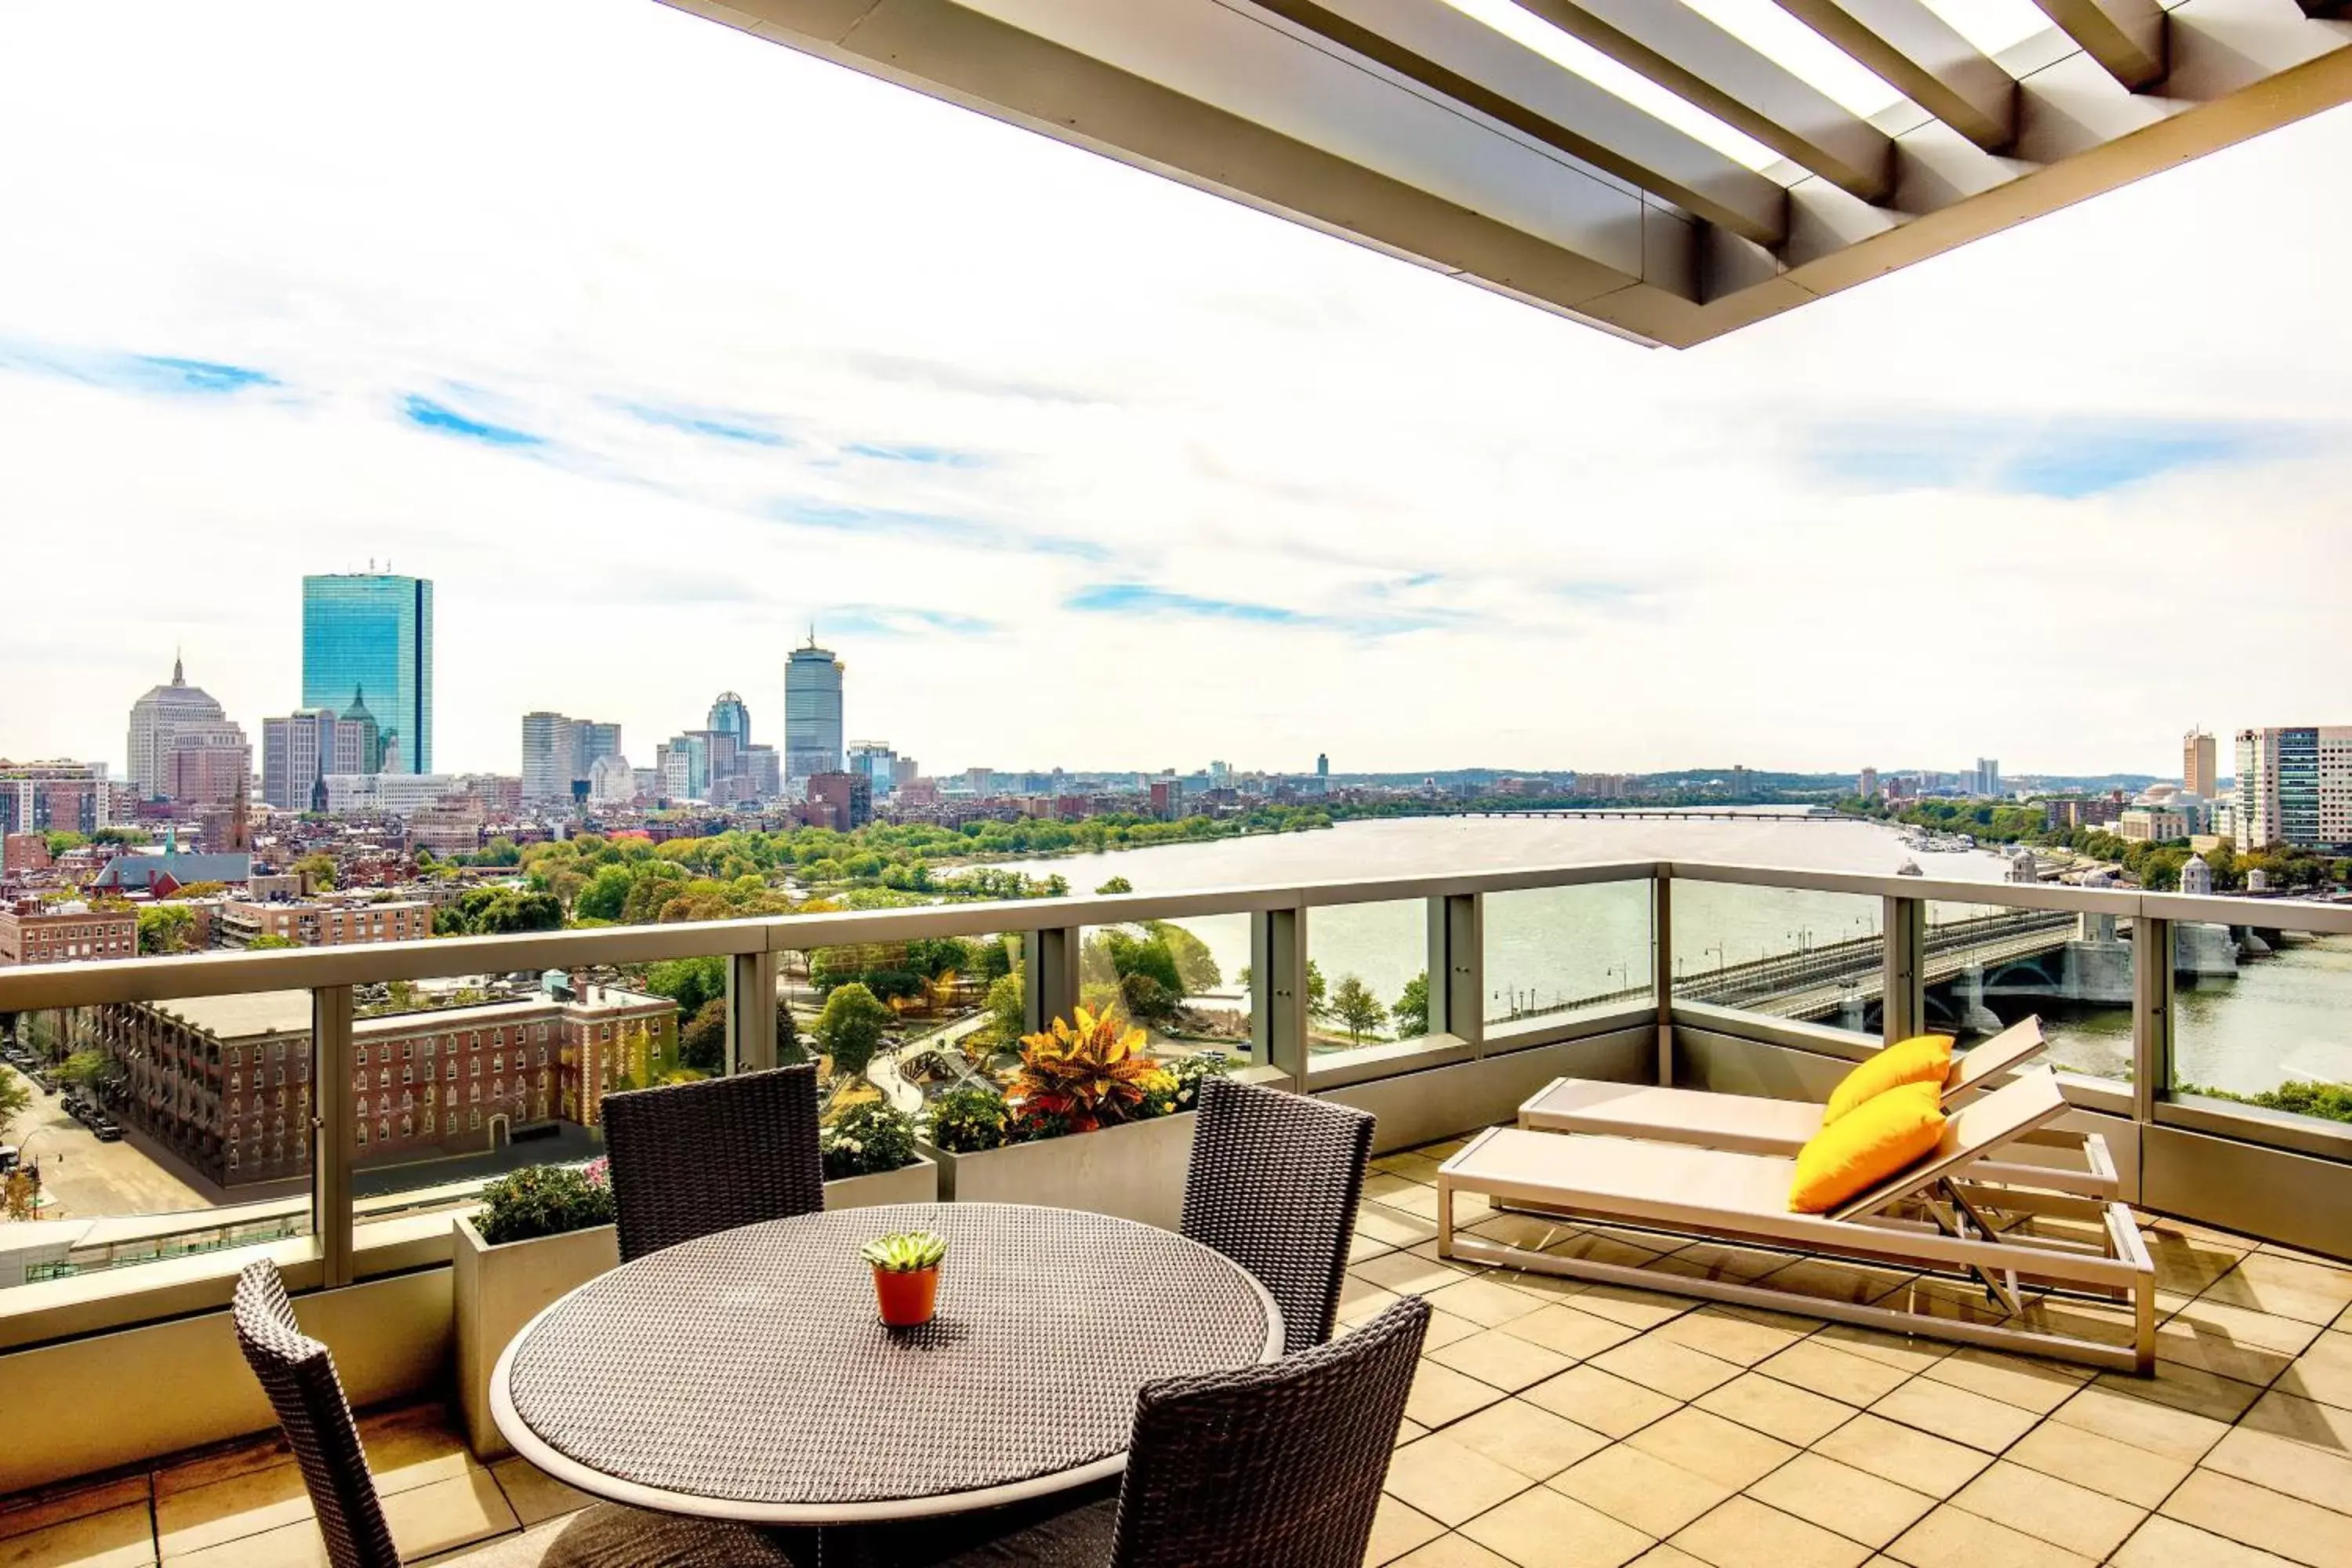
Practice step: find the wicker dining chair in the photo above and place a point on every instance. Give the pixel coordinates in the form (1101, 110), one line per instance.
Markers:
(1271, 1466)
(297, 1373)
(693, 1158)
(1273, 1184)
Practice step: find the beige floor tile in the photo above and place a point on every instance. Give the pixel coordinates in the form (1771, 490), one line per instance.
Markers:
(1671, 1369)
(1855, 1503)
(223, 1464)
(1954, 1538)
(1408, 1430)
(230, 1509)
(1723, 1451)
(1956, 1413)
(1714, 1260)
(1774, 1407)
(2164, 1542)
(2324, 1427)
(1440, 1395)
(2323, 1372)
(2114, 1410)
(1837, 1281)
(2256, 1516)
(1398, 1529)
(2051, 1509)
(23, 1515)
(1410, 1165)
(1485, 1302)
(1634, 1487)
(1745, 1533)
(1635, 1309)
(413, 1446)
(1564, 1330)
(1603, 1400)
(1543, 1529)
(2193, 1342)
(1453, 1552)
(1362, 1246)
(2283, 1465)
(118, 1537)
(534, 1494)
(2185, 1264)
(1445, 1329)
(1381, 1185)
(2245, 1325)
(1529, 1439)
(1529, 1232)
(448, 1514)
(1919, 1460)
(2217, 1398)
(1727, 1336)
(296, 1545)
(1360, 1298)
(1904, 1352)
(1408, 1273)
(1421, 1204)
(1664, 1556)
(2286, 1289)
(1393, 1229)
(1544, 1285)
(2105, 1464)
(1820, 1367)
(2040, 1386)
(1449, 1481)
(1503, 1360)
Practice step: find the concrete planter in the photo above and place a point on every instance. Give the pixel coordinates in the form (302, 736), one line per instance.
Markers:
(497, 1290)
(1135, 1172)
(915, 1183)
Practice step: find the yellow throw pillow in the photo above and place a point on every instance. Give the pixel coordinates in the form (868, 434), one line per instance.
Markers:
(1926, 1059)
(1883, 1135)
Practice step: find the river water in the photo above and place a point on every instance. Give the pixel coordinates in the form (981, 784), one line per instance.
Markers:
(2284, 1016)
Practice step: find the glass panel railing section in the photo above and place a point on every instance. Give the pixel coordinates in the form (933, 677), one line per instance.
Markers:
(1988, 966)
(1788, 953)
(899, 1024)
(1367, 977)
(1554, 953)
(1185, 983)
(143, 1132)
(2262, 1015)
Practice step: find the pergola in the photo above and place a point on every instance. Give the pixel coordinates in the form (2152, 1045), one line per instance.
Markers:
(1728, 184)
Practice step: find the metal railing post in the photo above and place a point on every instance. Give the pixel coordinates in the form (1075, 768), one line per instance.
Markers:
(1051, 988)
(2152, 994)
(1662, 970)
(333, 1111)
(1903, 999)
(1457, 964)
(1279, 992)
(751, 1011)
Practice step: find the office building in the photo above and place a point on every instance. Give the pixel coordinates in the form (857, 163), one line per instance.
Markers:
(1986, 777)
(300, 751)
(155, 719)
(684, 763)
(612, 782)
(2200, 765)
(2294, 787)
(877, 763)
(372, 632)
(55, 796)
(2152, 825)
(1322, 764)
(559, 755)
(763, 772)
(730, 716)
(1866, 785)
(211, 765)
(77, 932)
(325, 922)
(846, 799)
(812, 733)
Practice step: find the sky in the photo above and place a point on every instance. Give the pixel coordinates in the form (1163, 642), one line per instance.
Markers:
(652, 344)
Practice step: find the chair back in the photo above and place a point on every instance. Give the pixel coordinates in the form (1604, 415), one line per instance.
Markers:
(1273, 1184)
(1272, 1467)
(297, 1373)
(690, 1159)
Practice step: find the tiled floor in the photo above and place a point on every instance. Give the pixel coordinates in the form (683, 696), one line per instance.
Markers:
(1562, 1425)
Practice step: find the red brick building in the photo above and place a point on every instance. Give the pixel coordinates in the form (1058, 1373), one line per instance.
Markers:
(32, 932)
(322, 924)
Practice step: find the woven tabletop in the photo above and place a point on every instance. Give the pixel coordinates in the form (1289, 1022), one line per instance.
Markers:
(749, 1367)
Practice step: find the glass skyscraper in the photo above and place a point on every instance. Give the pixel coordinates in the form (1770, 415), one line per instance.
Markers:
(812, 711)
(373, 634)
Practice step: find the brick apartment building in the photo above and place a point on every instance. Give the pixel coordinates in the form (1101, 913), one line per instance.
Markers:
(324, 923)
(32, 932)
(224, 1081)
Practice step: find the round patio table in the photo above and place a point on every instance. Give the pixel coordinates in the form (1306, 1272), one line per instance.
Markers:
(746, 1375)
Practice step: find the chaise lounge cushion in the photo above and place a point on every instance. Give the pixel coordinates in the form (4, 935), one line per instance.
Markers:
(1863, 1148)
(1927, 1058)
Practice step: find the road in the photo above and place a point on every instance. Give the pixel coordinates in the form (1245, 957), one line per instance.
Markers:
(85, 1179)
(882, 1072)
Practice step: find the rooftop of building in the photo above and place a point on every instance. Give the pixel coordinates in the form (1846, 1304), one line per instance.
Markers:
(264, 1015)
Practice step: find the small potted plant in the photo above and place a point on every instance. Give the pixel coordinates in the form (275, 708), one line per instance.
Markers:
(906, 1276)
(870, 1158)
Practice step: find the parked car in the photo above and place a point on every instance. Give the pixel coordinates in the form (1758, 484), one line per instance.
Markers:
(7, 1158)
(47, 1084)
(105, 1131)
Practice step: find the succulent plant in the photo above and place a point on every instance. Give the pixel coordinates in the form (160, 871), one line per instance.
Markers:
(906, 1251)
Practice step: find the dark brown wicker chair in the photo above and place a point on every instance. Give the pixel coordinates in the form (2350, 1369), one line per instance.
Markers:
(1273, 1185)
(1272, 1467)
(299, 1374)
(693, 1158)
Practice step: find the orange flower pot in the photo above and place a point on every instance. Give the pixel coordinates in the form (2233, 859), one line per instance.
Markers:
(907, 1299)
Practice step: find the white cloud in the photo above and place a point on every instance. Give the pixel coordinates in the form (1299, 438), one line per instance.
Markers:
(1494, 536)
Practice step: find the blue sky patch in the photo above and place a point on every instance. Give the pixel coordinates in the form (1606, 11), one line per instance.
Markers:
(714, 424)
(1144, 599)
(965, 531)
(2065, 457)
(157, 374)
(902, 621)
(918, 453)
(426, 414)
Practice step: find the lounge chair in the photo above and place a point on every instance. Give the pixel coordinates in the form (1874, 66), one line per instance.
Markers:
(1928, 1219)
(2060, 1162)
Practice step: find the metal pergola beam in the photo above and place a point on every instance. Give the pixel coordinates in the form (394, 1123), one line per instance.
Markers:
(1920, 56)
(1453, 54)
(1701, 64)
(2125, 37)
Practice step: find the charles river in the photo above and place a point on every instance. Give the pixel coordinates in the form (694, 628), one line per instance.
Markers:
(2284, 1016)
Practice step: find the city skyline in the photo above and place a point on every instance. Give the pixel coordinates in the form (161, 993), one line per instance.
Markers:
(1199, 446)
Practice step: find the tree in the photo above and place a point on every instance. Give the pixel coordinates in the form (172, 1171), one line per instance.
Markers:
(1008, 1008)
(269, 942)
(789, 1049)
(62, 839)
(1319, 1003)
(1117, 885)
(1411, 1009)
(689, 981)
(1358, 1009)
(702, 1038)
(851, 1027)
(606, 894)
(1196, 966)
(319, 868)
(15, 1097)
(82, 1069)
(166, 928)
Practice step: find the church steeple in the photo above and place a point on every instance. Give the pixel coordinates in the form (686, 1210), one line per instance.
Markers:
(179, 678)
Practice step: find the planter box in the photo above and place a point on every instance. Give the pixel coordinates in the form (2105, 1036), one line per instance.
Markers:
(915, 1183)
(1135, 1172)
(498, 1290)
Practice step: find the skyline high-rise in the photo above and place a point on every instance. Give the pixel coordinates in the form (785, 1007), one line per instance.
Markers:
(2294, 787)
(373, 633)
(813, 731)
(156, 720)
(2200, 764)
(730, 716)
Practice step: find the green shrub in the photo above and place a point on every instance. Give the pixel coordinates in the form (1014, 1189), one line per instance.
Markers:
(1190, 1071)
(542, 1200)
(967, 1120)
(866, 1140)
